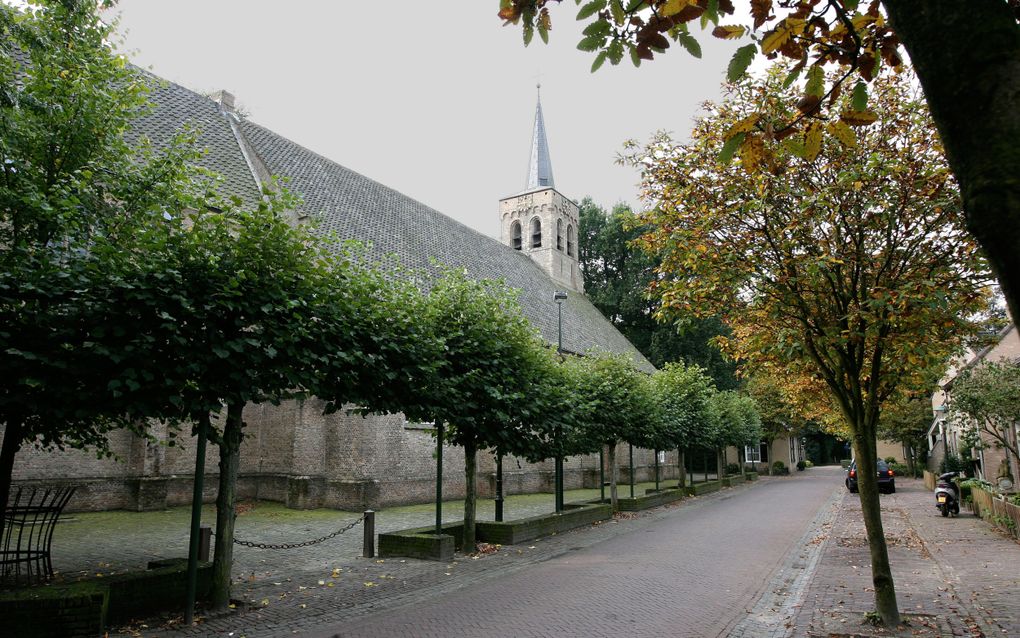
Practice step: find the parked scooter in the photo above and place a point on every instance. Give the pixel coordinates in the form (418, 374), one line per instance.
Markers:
(947, 494)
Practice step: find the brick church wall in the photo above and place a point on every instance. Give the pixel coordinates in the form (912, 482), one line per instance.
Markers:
(294, 454)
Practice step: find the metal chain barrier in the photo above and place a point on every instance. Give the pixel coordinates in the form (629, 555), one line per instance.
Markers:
(346, 528)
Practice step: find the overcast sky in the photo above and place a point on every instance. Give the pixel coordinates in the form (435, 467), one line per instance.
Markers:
(434, 99)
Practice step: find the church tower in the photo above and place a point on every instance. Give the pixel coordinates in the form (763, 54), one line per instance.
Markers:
(539, 220)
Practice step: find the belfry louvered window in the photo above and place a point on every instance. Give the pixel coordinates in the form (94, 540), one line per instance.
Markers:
(570, 240)
(559, 234)
(515, 235)
(536, 233)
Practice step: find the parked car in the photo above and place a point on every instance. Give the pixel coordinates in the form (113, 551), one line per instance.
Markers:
(886, 478)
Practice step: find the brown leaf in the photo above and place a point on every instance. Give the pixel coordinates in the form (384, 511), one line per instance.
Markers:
(866, 66)
(760, 10)
(808, 104)
(728, 32)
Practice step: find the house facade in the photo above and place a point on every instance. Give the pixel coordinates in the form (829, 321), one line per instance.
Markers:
(946, 436)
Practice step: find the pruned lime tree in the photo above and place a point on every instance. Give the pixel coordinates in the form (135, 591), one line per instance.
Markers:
(480, 394)
(966, 55)
(75, 196)
(850, 270)
(614, 404)
(683, 394)
(740, 424)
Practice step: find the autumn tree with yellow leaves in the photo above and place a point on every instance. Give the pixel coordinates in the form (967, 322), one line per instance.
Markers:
(842, 261)
(966, 54)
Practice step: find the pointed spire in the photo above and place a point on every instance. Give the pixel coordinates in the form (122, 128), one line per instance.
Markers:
(539, 166)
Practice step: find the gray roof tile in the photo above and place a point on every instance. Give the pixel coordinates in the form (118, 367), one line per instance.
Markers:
(355, 207)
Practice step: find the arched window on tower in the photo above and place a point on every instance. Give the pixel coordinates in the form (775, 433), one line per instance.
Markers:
(570, 241)
(536, 233)
(515, 235)
(559, 234)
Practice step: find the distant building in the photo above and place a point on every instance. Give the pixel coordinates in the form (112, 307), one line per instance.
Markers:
(946, 436)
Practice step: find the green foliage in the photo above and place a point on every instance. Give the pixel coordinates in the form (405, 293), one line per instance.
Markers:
(491, 359)
(617, 275)
(739, 423)
(986, 400)
(614, 402)
(684, 394)
(801, 465)
(76, 202)
(953, 463)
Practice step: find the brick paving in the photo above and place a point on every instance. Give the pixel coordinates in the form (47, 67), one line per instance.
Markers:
(692, 570)
(783, 557)
(953, 576)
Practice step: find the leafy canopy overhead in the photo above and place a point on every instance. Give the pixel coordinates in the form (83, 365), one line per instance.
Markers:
(852, 267)
(616, 278)
(967, 57)
(849, 271)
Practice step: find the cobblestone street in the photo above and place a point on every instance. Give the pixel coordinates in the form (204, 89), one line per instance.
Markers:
(780, 557)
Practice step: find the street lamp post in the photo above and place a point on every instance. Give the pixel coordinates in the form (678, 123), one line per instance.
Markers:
(559, 297)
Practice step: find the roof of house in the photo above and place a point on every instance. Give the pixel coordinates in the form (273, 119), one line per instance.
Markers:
(355, 207)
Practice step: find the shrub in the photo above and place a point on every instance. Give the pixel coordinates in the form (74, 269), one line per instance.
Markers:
(808, 463)
(779, 468)
(890, 460)
(900, 469)
(801, 465)
(732, 468)
(953, 463)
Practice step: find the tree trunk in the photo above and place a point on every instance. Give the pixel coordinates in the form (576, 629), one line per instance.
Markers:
(871, 508)
(967, 57)
(742, 460)
(470, 495)
(226, 506)
(12, 443)
(682, 482)
(720, 469)
(613, 476)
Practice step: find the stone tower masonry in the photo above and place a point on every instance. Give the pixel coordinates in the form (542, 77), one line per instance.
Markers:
(539, 220)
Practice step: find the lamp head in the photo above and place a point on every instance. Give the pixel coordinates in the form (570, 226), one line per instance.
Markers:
(559, 296)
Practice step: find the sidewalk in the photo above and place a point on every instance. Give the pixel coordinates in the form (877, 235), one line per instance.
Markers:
(953, 576)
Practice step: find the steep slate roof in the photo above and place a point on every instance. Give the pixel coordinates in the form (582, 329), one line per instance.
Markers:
(175, 107)
(353, 206)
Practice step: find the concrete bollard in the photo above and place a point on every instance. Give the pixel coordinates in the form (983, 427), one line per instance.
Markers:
(369, 545)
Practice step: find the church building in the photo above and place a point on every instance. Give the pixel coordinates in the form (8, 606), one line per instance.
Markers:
(293, 453)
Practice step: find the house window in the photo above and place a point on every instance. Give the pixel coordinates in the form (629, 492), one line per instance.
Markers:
(570, 241)
(752, 453)
(515, 236)
(536, 233)
(559, 234)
